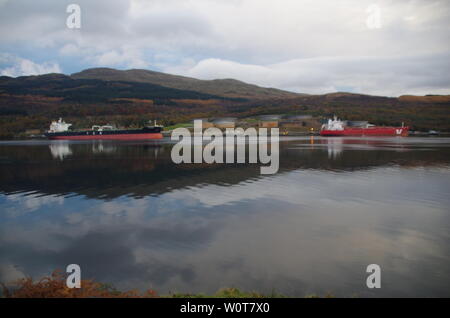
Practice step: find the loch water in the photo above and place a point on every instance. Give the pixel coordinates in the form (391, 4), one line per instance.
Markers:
(132, 218)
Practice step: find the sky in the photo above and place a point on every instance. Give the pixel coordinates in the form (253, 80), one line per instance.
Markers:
(377, 47)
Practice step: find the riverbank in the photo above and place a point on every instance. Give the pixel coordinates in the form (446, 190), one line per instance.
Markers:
(54, 286)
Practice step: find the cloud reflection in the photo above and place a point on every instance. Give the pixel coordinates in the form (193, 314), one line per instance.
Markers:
(298, 232)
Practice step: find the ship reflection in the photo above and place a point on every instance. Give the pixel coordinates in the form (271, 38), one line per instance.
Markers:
(335, 147)
(63, 149)
(60, 150)
(100, 147)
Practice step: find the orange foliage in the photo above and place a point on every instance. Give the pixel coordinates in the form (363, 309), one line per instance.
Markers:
(202, 102)
(133, 100)
(425, 99)
(55, 287)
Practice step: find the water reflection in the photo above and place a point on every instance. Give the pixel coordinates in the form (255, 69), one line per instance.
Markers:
(100, 147)
(335, 147)
(63, 149)
(60, 150)
(130, 217)
(109, 170)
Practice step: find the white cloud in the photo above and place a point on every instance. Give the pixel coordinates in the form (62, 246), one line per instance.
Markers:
(70, 49)
(128, 57)
(250, 40)
(9, 273)
(422, 74)
(30, 203)
(20, 66)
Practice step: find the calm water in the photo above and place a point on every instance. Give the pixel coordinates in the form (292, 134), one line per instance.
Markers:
(129, 216)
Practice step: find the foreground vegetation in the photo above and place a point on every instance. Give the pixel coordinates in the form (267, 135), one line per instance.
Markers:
(54, 286)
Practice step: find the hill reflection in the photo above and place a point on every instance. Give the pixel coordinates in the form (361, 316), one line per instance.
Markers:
(107, 170)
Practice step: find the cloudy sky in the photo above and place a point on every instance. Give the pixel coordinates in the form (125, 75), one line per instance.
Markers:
(380, 47)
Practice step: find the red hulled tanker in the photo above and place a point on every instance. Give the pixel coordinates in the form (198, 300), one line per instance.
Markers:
(336, 127)
(59, 130)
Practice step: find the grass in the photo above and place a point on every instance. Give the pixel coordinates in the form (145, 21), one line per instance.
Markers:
(180, 125)
(228, 293)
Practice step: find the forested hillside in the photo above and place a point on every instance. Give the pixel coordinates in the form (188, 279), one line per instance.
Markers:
(31, 102)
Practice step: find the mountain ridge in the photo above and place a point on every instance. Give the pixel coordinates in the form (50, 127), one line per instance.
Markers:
(223, 87)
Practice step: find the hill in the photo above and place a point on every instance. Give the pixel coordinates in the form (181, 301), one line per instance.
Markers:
(426, 98)
(92, 90)
(222, 87)
(131, 98)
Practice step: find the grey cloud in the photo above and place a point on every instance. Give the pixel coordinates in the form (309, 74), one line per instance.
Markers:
(134, 252)
(326, 43)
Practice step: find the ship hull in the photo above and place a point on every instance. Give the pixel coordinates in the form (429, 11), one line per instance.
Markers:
(135, 134)
(372, 131)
